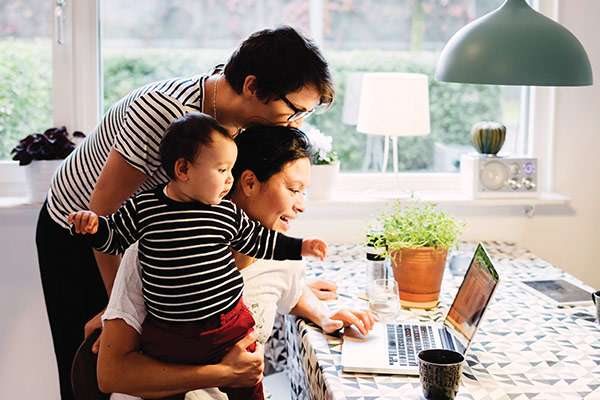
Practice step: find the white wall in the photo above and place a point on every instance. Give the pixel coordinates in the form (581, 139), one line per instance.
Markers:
(567, 238)
(574, 242)
(27, 362)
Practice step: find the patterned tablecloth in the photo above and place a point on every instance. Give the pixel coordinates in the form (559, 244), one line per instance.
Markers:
(525, 347)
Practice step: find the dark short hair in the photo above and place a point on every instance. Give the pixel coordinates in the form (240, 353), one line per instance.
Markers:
(283, 61)
(185, 136)
(265, 150)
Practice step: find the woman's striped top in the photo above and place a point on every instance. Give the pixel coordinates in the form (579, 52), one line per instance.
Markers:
(134, 126)
(188, 271)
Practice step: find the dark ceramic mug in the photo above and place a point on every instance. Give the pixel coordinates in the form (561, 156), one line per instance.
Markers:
(596, 298)
(440, 371)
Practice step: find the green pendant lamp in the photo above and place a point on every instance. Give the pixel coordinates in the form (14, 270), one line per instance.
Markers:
(514, 45)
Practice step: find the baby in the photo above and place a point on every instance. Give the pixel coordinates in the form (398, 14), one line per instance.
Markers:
(192, 288)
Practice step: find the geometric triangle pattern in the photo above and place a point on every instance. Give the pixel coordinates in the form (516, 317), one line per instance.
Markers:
(525, 348)
(275, 348)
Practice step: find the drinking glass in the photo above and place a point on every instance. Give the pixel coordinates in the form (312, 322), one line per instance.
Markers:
(383, 298)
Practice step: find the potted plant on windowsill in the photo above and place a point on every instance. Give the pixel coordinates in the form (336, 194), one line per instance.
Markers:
(325, 164)
(417, 239)
(41, 154)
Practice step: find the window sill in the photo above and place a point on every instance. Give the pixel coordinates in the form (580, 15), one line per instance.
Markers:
(356, 194)
(369, 203)
(440, 198)
(375, 198)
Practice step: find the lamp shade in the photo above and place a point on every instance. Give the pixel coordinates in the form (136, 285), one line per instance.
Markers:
(515, 45)
(394, 104)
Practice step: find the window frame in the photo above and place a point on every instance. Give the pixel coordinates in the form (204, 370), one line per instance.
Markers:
(77, 90)
(76, 74)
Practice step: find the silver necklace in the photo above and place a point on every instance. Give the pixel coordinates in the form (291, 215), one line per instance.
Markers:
(215, 97)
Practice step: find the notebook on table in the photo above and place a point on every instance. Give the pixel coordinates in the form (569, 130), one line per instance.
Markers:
(559, 292)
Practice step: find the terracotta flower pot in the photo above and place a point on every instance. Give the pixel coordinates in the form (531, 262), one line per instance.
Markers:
(419, 275)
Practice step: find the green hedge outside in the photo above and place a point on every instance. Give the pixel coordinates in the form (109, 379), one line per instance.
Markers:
(25, 87)
(25, 90)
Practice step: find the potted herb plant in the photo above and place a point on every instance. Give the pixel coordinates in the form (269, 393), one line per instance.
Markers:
(41, 154)
(325, 164)
(417, 239)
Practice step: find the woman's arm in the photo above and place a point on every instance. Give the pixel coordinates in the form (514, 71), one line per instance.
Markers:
(311, 308)
(123, 369)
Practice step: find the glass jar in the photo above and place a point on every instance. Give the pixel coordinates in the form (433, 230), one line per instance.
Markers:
(378, 267)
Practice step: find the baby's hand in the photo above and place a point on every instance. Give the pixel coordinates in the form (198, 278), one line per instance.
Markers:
(84, 222)
(314, 247)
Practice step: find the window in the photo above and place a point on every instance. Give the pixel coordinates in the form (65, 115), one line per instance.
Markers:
(25, 70)
(186, 37)
(407, 36)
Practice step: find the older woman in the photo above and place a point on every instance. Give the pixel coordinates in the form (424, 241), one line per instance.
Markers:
(272, 173)
(276, 76)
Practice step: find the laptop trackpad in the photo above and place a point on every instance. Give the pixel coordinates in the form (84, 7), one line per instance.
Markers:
(366, 353)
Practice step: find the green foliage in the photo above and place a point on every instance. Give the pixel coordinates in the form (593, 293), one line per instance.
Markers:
(454, 108)
(25, 97)
(25, 90)
(125, 71)
(420, 225)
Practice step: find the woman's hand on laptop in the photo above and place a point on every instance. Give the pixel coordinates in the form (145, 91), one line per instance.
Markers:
(363, 320)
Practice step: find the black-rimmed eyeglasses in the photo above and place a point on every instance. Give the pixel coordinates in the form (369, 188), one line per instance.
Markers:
(298, 112)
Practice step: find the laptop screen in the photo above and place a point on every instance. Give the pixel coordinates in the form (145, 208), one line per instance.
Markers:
(473, 295)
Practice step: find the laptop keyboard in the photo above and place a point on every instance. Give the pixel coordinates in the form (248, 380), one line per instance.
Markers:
(406, 341)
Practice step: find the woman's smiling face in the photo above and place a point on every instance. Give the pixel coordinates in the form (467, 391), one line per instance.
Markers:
(276, 202)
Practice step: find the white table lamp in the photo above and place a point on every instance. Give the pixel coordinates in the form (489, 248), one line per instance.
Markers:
(393, 105)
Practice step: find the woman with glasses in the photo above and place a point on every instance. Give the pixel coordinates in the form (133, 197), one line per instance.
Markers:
(275, 77)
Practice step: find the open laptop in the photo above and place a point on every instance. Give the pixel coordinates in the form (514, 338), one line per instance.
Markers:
(392, 348)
